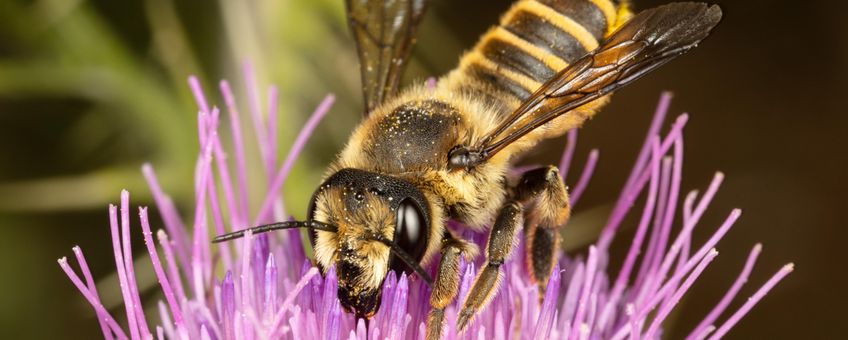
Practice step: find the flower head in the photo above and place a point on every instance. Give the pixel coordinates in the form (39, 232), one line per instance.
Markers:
(264, 286)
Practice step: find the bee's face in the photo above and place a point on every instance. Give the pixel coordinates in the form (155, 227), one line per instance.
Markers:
(367, 210)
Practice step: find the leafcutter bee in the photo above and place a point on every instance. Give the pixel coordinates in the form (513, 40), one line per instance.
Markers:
(424, 155)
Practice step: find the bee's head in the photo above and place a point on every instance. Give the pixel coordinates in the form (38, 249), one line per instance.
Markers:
(381, 222)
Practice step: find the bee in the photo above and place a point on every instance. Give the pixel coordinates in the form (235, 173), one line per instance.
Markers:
(428, 154)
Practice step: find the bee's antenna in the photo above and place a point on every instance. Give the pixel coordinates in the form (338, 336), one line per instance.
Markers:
(408, 260)
(314, 225)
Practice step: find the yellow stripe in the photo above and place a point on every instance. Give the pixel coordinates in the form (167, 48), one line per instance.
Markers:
(608, 8)
(622, 16)
(562, 22)
(475, 57)
(551, 60)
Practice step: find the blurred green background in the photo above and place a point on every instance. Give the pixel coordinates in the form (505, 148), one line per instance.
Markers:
(89, 90)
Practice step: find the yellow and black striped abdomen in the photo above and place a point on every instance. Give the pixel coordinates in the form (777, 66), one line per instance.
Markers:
(534, 40)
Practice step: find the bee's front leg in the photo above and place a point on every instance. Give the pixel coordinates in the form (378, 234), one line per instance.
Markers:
(500, 245)
(447, 281)
(544, 191)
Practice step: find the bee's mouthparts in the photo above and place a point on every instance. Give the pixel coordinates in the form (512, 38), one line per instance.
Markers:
(363, 303)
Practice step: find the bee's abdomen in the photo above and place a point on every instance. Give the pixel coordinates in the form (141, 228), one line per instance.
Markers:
(534, 40)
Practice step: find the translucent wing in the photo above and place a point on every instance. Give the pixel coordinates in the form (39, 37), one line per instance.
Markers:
(649, 40)
(384, 32)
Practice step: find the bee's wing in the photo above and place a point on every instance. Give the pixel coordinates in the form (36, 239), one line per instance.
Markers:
(649, 40)
(384, 31)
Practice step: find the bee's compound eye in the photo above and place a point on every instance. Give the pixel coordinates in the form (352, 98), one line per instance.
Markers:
(411, 231)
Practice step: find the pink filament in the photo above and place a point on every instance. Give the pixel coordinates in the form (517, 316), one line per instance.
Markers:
(157, 268)
(297, 147)
(749, 304)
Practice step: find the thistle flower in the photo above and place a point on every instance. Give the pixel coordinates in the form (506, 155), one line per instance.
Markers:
(264, 286)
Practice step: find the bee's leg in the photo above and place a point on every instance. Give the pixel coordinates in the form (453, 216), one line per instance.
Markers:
(447, 282)
(544, 192)
(500, 245)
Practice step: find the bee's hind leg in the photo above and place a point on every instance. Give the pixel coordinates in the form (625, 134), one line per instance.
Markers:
(447, 281)
(502, 241)
(544, 192)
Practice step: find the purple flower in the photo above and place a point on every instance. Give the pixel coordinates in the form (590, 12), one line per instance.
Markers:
(264, 286)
